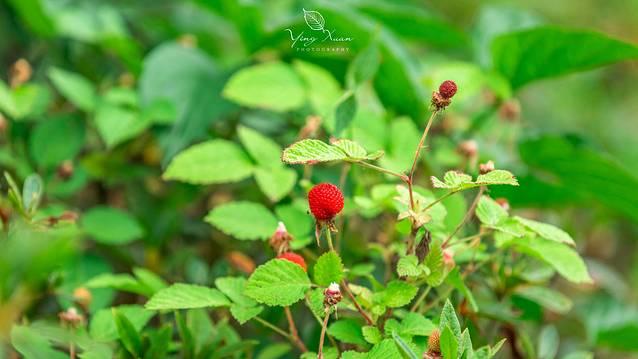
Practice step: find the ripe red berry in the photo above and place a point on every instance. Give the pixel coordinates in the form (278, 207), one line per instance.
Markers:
(447, 89)
(326, 201)
(295, 258)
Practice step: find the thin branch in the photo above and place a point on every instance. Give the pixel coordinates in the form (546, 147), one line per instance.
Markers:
(417, 152)
(365, 316)
(323, 333)
(293, 331)
(466, 218)
(382, 170)
(419, 300)
(274, 328)
(330, 338)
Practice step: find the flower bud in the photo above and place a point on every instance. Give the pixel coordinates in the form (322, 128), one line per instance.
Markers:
(468, 148)
(71, 317)
(332, 295)
(434, 344)
(486, 167)
(280, 240)
(448, 259)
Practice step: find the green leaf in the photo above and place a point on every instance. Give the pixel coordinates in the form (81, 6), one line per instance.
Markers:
(371, 334)
(103, 327)
(579, 355)
(276, 183)
(74, 87)
(328, 269)
(274, 351)
(210, 162)
(548, 342)
(322, 88)
(150, 280)
(560, 256)
(243, 313)
(344, 113)
(547, 231)
(188, 80)
(456, 280)
(265, 151)
(366, 64)
(546, 297)
(456, 181)
(466, 348)
(403, 347)
(355, 151)
(449, 342)
(398, 293)
(111, 226)
(31, 344)
(128, 334)
(121, 282)
(186, 296)
(56, 140)
(386, 349)
(311, 151)
(538, 53)
(278, 283)
(32, 190)
(233, 288)
(243, 220)
(347, 331)
(434, 262)
(450, 321)
(416, 324)
(117, 124)
(271, 86)
(408, 266)
(489, 212)
(496, 177)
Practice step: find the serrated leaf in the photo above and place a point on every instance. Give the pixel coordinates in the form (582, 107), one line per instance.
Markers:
(233, 288)
(351, 148)
(243, 220)
(408, 266)
(186, 296)
(347, 331)
(328, 269)
(434, 262)
(385, 349)
(497, 177)
(416, 324)
(537, 53)
(210, 162)
(449, 319)
(449, 342)
(398, 293)
(489, 212)
(276, 183)
(74, 87)
(547, 231)
(243, 313)
(371, 334)
(277, 283)
(403, 347)
(271, 86)
(546, 297)
(311, 151)
(111, 225)
(266, 152)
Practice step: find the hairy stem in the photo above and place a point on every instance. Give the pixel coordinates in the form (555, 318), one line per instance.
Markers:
(323, 333)
(294, 332)
(330, 338)
(383, 170)
(329, 239)
(466, 218)
(275, 329)
(365, 316)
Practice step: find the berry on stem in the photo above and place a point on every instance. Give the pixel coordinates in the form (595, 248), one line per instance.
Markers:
(325, 201)
(295, 258)
(447, 89)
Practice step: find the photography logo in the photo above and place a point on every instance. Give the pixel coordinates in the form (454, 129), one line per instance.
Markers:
(318, 38)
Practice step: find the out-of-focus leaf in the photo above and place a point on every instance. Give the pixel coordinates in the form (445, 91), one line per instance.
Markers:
(278, 282)
(365, 66)
(32, 190)
(548, 343)
(35, 15)
(265, 151)
(546, 297)
(344, 113)
(276, 183)
(33, 345)
(214, 161)
(187, 296)
(117, 124)
(103, 326)
(547, 231)
(56, 140)
(544, 52)
(243, 220)
(110, 225)
(322, 89)
(272, 86)
(74, 87)
(347, 331)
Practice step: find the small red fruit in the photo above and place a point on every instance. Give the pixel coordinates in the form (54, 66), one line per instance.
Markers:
(295, 258)
(447, 89)
(326, 201)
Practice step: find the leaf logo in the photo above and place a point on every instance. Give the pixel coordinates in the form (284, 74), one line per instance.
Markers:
(314, 20)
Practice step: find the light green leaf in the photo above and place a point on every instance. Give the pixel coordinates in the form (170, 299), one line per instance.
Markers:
(265, 151)
(129, 336)
(187, 296)
(32, 190)
(365, 65)
(404, 348)
(271, 86)
(371, 334)
(311, 151)
(355, 151)
(579, 355)
(456, 280)
(243, 313)
(121, 282)
(398, 293)
(449, 342)
(274, 351)
(243, 220)
(111, 226)
(214, 161)
(408, 266)
(322, 88)
(345, 112)
(385, 349)
(489, 212)
(103, 326)
(278, 283)
(276, 183)
(31, 344)
(233, 288)
(450, 320)
(56, 140)
(328, 269)
(497, 177)
(434, 262)
(347, 331)
(117, 124)
(547, 231)
(416, 324)
(546, 297)
(548, 342)
(560, 256)
(538, 53)
(456, 181)
(150, 280)
(74, 87)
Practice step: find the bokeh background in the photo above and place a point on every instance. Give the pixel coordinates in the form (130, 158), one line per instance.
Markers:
(571, 139)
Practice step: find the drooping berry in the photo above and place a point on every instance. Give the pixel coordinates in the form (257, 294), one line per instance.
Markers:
(295, 258)
(280, 240)
(325, 201)
(447, 89)
(332, 295)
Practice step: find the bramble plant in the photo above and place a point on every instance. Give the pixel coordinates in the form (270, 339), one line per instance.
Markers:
(313, 179)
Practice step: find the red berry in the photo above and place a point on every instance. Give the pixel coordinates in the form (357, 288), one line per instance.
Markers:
(326, 201)
(447, 89)
(295, 258)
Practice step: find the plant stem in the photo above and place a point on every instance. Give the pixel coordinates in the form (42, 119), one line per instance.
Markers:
(417, 152)
(419, 300)
(294, 332)
(323, 333)
(466, 218)
(329, 239)
(383, 170)
(431, 204)
(275, 328)
(365, 316)
(330, 338)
